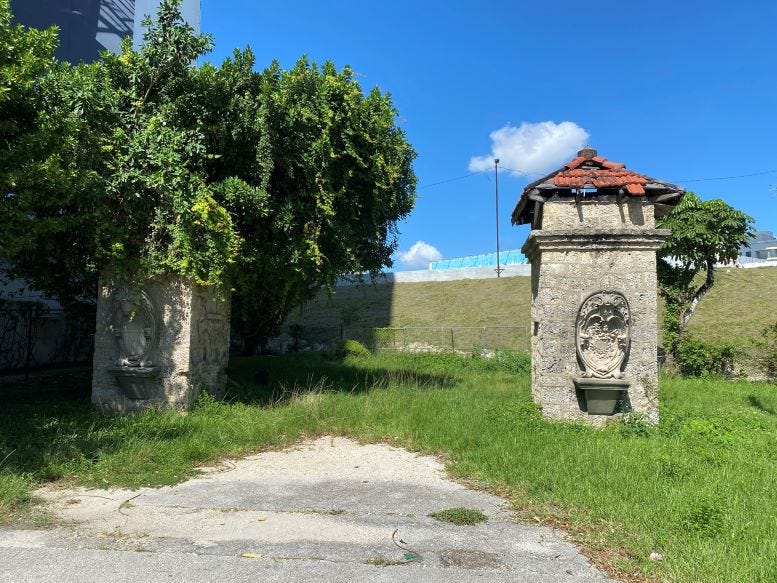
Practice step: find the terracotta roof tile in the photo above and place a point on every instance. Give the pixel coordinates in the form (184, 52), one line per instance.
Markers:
(574, 163)
(599, 173)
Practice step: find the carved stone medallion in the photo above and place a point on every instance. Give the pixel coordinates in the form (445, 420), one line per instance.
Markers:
(133, 321)
(602, 334)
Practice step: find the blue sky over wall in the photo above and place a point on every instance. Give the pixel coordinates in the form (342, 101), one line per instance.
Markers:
(681, 91)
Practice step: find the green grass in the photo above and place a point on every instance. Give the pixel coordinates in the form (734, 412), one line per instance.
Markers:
(739, 306)
(465, 303)
(701, 488)
(444, 303)
(460, 516)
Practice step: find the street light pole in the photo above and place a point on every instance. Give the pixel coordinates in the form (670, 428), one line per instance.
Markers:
(496, 188)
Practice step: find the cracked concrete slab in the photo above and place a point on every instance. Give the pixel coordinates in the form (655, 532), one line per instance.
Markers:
(329, 509)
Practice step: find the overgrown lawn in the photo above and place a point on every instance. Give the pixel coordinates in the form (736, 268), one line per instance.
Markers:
(700, 489)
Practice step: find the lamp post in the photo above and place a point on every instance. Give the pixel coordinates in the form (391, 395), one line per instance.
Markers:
(496, 189)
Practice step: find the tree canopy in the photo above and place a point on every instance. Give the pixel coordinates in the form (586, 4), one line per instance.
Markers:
(703, 234)
(268, 183)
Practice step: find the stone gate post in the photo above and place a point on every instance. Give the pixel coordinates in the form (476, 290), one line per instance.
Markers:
(158, 348)
(592, 249)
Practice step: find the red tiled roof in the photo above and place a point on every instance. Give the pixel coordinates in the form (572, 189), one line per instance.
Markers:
(598, 172)
(589, 171)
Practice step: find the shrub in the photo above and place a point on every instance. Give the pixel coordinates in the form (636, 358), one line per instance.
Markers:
(696, 358)
(704, 518)
(635, 425)
(768, 348)
(517, 362)
(346, 348)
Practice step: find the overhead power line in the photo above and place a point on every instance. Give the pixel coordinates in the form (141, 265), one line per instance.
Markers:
(726, 177)
(448, 180)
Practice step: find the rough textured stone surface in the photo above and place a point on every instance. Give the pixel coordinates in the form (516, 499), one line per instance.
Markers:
(582, 248)
(189, 353)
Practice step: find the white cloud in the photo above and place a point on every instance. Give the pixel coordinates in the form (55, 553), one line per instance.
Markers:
(534, 148)
(419, 255)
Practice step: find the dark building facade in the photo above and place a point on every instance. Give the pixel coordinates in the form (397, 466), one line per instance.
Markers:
(86, 27)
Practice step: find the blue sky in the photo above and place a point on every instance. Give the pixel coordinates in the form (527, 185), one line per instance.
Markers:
(680, 91)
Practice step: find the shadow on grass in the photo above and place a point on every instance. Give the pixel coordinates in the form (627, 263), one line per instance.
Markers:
(37, 438)
(47, 385)
(49, 429)
(264, 380)
(760, 405)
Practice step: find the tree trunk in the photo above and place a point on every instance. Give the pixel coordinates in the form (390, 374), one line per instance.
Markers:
(700, 293)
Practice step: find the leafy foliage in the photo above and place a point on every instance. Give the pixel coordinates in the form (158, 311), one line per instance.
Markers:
(697, 358)
(39, 171)
(270, 183)
(703, 233)
(767, 345)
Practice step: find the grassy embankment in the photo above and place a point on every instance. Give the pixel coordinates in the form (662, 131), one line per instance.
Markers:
(740, 304)
(701, 488)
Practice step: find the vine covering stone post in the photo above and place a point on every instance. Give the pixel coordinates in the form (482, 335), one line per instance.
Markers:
(592, 248)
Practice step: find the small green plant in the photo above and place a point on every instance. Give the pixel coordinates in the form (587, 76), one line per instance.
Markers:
(460, 516)
(669, 467)
(501, 360)
(635, 425)
(704, 518)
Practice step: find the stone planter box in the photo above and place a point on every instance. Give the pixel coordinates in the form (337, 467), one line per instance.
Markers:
(602, 395)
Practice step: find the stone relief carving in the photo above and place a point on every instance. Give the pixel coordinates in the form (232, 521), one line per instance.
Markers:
(134, 327)
(211, 331)
(602, 334)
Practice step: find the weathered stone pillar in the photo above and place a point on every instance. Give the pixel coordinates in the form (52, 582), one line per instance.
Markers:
(158, 349)
(594, 296)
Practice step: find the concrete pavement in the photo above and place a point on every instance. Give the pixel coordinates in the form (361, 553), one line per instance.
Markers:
(326, 510)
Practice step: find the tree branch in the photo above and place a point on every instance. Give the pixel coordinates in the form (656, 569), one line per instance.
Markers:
(709, 281)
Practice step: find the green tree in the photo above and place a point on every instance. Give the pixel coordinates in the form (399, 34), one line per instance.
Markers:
(703, 233)
(270, 184)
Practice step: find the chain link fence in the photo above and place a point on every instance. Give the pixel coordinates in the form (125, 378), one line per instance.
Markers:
(408, 338)
(453, 339)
